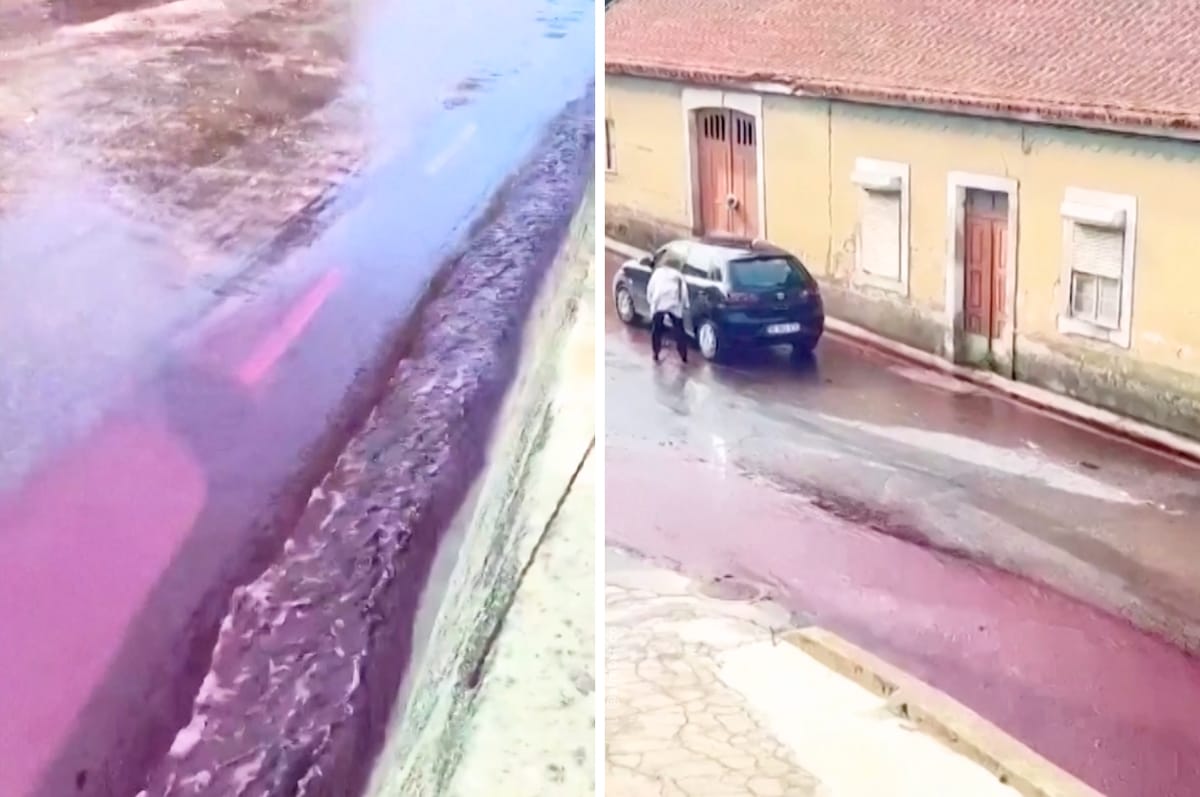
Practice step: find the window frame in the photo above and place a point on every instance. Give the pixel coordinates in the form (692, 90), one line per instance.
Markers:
(610, 147)
(1116, 212)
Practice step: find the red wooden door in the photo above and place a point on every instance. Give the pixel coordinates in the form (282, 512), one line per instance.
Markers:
(743, 212)
(727, 172)
(985, 235)
(713, 167)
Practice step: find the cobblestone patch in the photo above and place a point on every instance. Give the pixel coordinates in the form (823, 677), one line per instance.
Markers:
(710, 698)
(673, 729)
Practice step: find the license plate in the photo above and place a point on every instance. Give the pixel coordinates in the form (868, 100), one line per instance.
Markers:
(782, 329)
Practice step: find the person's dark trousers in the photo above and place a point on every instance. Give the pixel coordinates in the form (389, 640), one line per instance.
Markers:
(658, 328)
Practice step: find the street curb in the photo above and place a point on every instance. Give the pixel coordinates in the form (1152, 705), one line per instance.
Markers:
(942, 717)
(1057, 405)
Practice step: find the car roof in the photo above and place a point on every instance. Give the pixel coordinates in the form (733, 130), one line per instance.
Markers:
(716, 250)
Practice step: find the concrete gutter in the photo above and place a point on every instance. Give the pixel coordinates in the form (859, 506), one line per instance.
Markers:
(939, 715)
(492, 665)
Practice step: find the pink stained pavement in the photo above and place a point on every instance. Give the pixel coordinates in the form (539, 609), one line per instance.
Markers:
(1107, 702)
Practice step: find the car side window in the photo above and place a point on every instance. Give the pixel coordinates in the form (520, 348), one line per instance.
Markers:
(691, 271)
(715, 274)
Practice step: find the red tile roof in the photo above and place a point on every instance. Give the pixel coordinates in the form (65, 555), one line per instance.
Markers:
(1105, 62)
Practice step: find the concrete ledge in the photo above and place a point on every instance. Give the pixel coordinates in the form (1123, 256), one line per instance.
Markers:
(941, 716)
(538, 441)
(1062, 407)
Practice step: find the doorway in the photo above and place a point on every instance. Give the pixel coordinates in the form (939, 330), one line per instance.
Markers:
(985, 267)
(727, 172)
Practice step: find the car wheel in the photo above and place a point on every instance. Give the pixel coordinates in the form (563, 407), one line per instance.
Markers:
(708, 338)
(624, 302)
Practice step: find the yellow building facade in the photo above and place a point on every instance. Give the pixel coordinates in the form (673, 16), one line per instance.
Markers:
(1058, 256)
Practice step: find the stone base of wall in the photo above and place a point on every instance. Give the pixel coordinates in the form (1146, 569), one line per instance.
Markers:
(891, 317)
(635, 229)
(1163, 397)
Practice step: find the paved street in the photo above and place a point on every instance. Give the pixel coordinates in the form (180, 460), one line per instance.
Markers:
(860, 493)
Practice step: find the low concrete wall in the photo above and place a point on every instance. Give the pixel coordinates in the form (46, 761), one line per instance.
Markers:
(637, 230)
(542, 442)
(1163, 397)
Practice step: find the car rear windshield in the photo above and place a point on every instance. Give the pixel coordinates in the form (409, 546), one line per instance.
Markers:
(767, 274)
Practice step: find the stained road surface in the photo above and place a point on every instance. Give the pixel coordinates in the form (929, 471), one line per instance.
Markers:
(119, 550)
(861, 492)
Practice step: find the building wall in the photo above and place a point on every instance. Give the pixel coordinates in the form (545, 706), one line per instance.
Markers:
(812, 207)
(650, 183)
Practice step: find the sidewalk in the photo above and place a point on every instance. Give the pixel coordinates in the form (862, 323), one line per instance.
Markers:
(705, 697)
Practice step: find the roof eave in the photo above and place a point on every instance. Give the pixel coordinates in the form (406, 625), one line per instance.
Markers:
(1107, 119)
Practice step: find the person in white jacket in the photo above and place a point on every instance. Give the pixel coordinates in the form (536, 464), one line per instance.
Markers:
(668, 296)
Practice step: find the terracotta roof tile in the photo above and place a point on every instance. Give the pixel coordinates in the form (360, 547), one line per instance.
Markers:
(1113, 62)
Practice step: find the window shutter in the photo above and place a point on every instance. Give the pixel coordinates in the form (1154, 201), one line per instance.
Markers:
(1097, 258)
(1099, 251)
(880, 234)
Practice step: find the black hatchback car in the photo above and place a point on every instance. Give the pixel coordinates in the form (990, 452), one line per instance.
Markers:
(742, 293)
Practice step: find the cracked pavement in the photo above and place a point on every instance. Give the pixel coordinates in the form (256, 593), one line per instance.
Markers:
(673, 727)
(704, 699)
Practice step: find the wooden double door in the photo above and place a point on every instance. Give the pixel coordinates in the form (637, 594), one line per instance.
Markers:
(727, 172)
(985, 270)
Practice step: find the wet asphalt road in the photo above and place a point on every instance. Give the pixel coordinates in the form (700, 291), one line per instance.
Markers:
(119, 551)
(859, 490)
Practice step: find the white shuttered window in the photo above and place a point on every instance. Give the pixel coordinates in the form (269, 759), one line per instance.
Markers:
(881, 251)
(1099, 248)
(1097, 254)
(880, 234)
